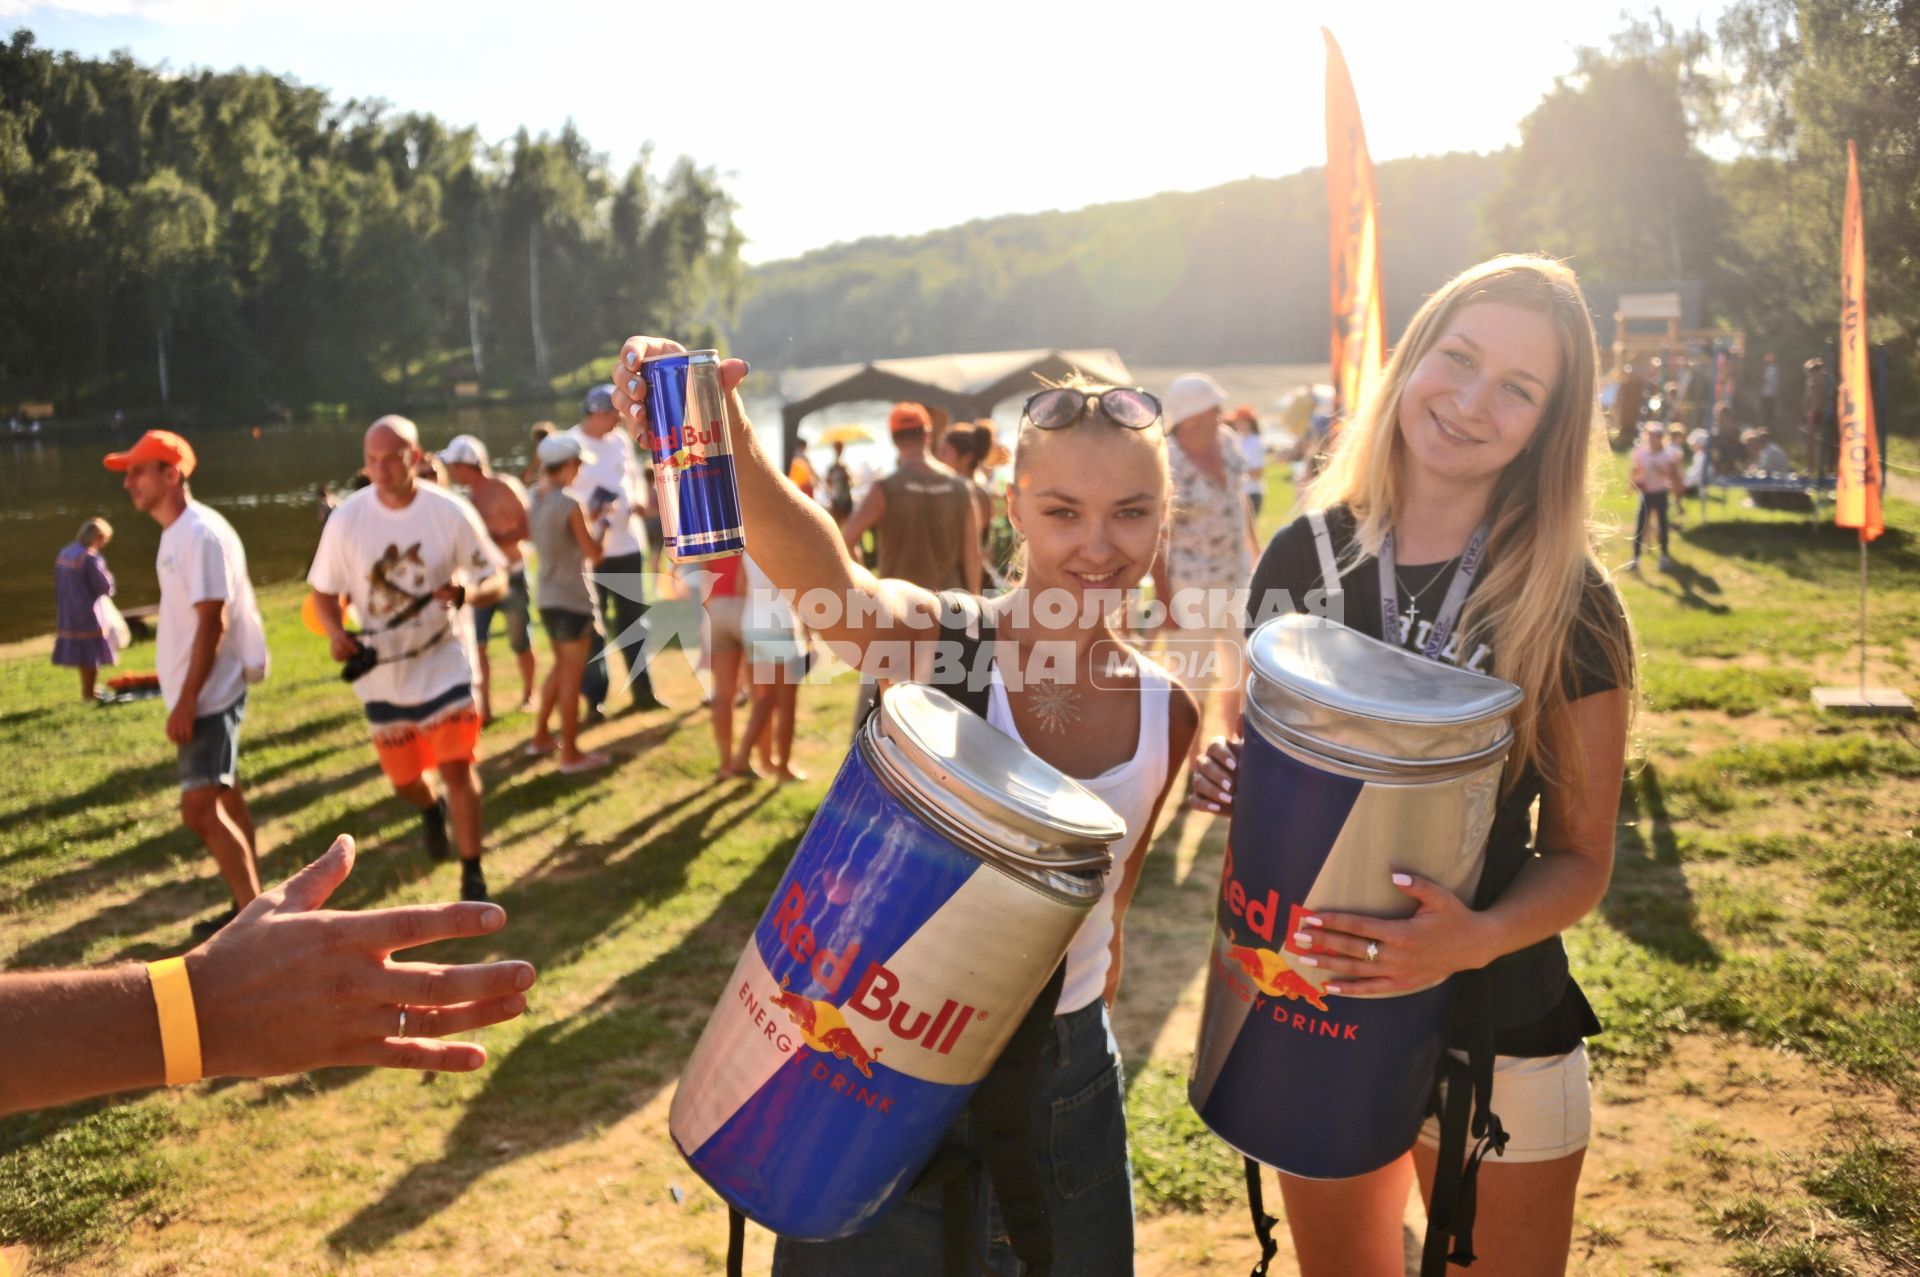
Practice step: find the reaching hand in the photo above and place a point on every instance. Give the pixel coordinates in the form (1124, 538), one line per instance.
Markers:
(288, 986)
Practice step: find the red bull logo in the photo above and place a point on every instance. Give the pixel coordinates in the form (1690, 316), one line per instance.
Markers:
(876, 994)
(1274, 976)
(823, 1028)
(688, 446)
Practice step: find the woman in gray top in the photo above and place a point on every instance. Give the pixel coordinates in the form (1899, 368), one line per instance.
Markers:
(569, 549)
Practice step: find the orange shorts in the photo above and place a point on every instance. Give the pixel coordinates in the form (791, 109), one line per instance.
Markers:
(408, 750)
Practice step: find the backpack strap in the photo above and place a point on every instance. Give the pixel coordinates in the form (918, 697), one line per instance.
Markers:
(1263, 1223)
(1467, 1110)
(1329, 563)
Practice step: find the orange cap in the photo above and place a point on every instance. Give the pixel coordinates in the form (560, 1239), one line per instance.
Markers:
(156, 445)
(908, 416)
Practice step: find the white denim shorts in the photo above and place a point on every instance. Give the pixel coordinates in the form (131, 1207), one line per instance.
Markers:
(1545, 1104)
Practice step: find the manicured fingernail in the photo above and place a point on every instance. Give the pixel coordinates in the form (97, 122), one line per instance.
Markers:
(1334, 988)
(1214, 808)
(525, 979)
(748, 363)
(633, 387)
(1312, 922)
(492, 918)
(1226, 782)
(1403, 880)
(1306, 961)
(1233, 763)
(634, 412)
(1301, 937)
(633, 359)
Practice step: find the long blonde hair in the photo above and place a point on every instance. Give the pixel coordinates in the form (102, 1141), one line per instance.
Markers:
(1540, 552)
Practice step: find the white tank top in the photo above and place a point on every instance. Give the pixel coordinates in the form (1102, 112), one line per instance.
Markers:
(1131, 790)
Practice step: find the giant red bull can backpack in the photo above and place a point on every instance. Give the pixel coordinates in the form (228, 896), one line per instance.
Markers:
(1360, 760)
(929, 903)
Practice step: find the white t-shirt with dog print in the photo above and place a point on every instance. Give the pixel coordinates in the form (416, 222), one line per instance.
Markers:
(383, 559)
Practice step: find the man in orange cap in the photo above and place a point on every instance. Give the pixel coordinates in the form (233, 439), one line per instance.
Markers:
(924, 522)
(211, 645)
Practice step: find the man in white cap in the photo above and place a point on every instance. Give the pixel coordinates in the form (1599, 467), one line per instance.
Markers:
(611, 486)
(1210, 547)
(411, 556)
(502, 504)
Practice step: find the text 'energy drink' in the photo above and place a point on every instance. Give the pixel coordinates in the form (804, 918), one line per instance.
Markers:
(692, 456)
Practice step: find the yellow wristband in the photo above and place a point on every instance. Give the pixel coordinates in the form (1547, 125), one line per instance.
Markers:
(179, 1026)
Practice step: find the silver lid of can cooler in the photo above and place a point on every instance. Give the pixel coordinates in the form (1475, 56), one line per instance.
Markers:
(990, 794)
(1356, 698)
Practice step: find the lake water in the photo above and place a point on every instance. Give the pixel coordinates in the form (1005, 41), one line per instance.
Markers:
(264, 482)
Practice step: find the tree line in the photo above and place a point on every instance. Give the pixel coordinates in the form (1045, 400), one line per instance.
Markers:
(242, 240)
(1667, 154)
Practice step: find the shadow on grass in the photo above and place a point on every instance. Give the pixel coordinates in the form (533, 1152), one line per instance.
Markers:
(1813, 552)
(577, 1076)
(1649, 901)
(1686, 586)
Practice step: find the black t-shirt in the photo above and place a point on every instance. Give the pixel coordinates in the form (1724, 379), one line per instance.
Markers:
(1538, 1008)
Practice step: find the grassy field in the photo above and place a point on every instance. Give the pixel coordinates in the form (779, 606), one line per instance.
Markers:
(1757, 964)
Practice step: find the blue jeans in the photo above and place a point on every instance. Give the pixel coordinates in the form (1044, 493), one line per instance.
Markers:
(1080, 1137)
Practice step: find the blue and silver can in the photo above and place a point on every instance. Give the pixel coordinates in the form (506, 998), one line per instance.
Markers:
(937, 889)
(693, 472)
(1361, 760)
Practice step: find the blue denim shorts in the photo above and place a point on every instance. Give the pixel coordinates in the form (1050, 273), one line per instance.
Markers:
(1080, 1137)
(212, 757)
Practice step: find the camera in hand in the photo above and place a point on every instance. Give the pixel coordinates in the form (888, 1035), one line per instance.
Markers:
(357, 665)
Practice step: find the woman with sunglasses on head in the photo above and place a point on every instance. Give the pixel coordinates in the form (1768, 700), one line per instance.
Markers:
(1466, 475)
(1090, 497)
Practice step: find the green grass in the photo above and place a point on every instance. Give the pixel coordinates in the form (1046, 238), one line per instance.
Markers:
(1791, 1259)
(67, 1180)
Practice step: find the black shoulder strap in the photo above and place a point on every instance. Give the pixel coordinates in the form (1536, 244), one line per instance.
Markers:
(963, 662)
(1467, 1111)
(1263, 1223)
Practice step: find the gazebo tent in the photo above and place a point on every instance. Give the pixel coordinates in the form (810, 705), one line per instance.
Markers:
(966, 386)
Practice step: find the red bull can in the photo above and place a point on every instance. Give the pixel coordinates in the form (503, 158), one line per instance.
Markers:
(1361, 760)
(933, 895)
(693, 473)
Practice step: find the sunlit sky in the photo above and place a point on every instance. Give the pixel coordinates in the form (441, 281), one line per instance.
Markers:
(834, 121)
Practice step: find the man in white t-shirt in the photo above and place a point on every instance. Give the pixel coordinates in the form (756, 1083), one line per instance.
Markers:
(412, 557)
(612, 483)
(210, 646)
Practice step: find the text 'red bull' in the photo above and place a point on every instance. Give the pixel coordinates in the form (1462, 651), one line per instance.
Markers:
(876, 993)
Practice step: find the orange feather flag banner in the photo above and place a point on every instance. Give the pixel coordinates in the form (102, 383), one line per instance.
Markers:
(1857, 485)
(1353, 241)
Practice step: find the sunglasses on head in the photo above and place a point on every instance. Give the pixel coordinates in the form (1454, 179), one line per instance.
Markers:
(1127, 407)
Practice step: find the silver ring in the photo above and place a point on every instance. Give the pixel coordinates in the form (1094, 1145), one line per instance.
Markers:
(1373, 955)
(403, 1023)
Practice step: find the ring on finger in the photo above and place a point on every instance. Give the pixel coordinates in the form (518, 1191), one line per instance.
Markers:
(1373, 951)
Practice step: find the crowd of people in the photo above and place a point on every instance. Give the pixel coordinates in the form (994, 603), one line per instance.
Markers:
(1467, 468)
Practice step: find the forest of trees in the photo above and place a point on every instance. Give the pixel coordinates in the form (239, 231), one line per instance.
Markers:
(240, 240)
(1669, 154)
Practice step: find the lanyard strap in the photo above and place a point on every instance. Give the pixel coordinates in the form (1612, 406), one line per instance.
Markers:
(1470, 560)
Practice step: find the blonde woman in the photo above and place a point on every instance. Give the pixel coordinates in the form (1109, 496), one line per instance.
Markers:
(1090, 500)
(1475, 458)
